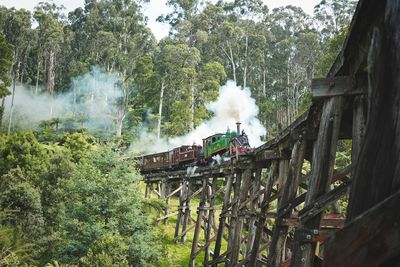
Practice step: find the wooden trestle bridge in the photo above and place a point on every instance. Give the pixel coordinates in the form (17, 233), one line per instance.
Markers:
(359, 100)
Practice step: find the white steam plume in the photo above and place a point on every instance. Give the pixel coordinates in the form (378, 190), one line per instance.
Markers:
(90, 103)
(234, 104)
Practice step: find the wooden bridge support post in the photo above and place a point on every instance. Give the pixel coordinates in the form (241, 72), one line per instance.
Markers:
(372, 236)
(197, 228)
(321, 172)
(161, 193)
(147, 192)
(253, 207)
(262, 218)
(237, 234)
(209, 221)
(277, 247)
(180, 209)
(233, 216)
(222, 218)
(186, 201)
(165, 190)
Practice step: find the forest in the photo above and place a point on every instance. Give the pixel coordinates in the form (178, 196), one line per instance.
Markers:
(81, 92)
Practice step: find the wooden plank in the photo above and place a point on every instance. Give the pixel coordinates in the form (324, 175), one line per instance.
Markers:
(222, 218)
(180, 209)
(167, 216)
(321, 172)
(254, 203)
(358, 132)
(325, 222)
(237, 234)
(157, 193)
(148, 190)
(166, 190)
(185, 232)
(322, 202)
(372, 239)
(334, 86)
(277, 247)
(186, 215)
(196, 193)
(174, 192)
(262, 219)
(234, 212)
(377, 174)
(209, 222)
(267, 155)
(197, 228)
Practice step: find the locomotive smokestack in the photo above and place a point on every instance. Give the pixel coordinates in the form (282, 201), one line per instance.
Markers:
(238, 127)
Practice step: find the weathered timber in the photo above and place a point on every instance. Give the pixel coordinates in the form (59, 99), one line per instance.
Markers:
(233, 218)
(323, 201)
(180, 209)
(262, 219)
(254, 204)
(237, 234)
(377, 173)
(371, 239)
(359, 122)
(167, 189)
(197, 228)
(209, 222)
(185, 232)
(147, 190)
(325, 222)
(355, 48)
(167, 216)
(174, 192)
(157, 193)
(222, 219)
(335, 86)
(198, 191)
(277, 247)
(186, 214)
(321, 172)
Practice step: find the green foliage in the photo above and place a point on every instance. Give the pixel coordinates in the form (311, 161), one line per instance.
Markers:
(111, 250)
(5, 65)
(103, 201)
(76, 201)
(14, 251)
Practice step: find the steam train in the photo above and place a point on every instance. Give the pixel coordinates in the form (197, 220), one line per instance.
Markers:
(226, 145)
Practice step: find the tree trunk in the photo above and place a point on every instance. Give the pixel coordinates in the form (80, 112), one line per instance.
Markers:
(245, 63)
(11, 107)
(37, 75)
(3, 101)
(264, 83)
(121, 113)
(51, 79)
(192, 107)
(232, 63)
(160, 110)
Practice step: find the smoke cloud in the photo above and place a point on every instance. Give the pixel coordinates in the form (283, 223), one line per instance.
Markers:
(90, 103)
(234, 104)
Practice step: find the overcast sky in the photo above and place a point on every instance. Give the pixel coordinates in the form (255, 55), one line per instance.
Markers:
(154, 9)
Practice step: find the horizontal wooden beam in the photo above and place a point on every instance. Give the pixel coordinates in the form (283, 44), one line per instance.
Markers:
(335, 86)
(371, 239)
(326, 222)
(319, 204)
(267, 155)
